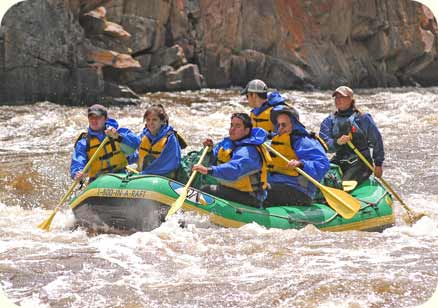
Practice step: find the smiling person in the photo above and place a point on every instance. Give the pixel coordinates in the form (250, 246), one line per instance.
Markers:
(349, 124)
(239, 162)
(113, 157)
(302, 150)
(159, 152)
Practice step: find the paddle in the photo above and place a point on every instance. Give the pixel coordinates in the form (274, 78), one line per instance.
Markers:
(349, 185)
(344, 204)
(45, 225)
(132, 170)
(183, 195)
(412, 216)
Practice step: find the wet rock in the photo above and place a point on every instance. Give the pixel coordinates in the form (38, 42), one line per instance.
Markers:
(112, 58)
(180, 44)
(144, 33)
(94, 22)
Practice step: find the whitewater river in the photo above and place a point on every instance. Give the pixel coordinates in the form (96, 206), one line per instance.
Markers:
(204, 265)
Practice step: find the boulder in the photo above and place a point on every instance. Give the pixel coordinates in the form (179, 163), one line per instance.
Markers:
(172, 56)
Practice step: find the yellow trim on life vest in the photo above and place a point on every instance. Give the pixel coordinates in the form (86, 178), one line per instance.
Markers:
(250, 182)
(111, 159)
(263, 120)
(152, 150)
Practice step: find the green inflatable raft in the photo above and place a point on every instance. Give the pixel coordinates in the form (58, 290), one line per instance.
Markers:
(140, 203)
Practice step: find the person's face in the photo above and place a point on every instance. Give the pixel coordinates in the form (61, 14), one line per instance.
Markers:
(251, 97)
(97, 123)
(342, 102)
(284, 124)
(153, 123)
(237, 129)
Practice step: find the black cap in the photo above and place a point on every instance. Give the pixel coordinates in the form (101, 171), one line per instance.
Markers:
(97, 110)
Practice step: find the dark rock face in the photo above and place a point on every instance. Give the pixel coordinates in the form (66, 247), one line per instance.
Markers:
(79, 51)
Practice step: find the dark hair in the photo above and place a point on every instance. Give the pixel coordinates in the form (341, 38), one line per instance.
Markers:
(262, 95)
(353, 106)
(247, 123)
(159, 110)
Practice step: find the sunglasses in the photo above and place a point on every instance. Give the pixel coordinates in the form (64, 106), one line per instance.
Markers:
(282, 124)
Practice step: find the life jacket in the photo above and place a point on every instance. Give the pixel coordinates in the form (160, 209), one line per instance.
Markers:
(346, 126)
(111, 158)
(283, 144)
(254, 182)
(263, 120)
(181, 140)
(148, 152)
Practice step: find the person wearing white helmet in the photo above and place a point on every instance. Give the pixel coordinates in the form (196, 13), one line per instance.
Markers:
(346, 124)
(264, 105)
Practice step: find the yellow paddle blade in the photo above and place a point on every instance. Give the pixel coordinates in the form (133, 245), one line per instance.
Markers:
(45, 225)
(177, 204)
(349, 185)
(344, 204)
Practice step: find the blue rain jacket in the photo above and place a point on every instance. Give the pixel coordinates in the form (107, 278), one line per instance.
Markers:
(245, 157)
(169, 159)
(129, 144)
(311, 153)
(367, 125)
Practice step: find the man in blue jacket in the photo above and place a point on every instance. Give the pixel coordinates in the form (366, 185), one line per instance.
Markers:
(113, 157)
(239, 162)
(349, 124)
(302, 150)
(264, 105)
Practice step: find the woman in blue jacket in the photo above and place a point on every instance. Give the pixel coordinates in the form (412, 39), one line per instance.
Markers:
(349, 124)
(159, 152)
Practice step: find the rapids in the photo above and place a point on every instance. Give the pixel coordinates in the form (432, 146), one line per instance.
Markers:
(204, 265)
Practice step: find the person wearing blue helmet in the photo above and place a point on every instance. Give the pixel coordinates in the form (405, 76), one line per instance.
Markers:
(114, 155)
(240, 163)
(302, 150)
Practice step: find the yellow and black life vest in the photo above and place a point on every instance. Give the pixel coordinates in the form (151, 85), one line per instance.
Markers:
(111, 158)
(282, 143)
(148, 152)
(263, 120)
(253, 182)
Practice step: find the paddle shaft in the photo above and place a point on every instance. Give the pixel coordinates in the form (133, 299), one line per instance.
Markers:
(182, 196)
(384, 183)
(312, 180)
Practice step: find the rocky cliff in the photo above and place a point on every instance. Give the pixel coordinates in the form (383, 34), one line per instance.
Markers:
(78, 51)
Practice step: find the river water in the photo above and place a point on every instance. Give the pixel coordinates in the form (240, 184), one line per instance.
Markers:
(204, 265)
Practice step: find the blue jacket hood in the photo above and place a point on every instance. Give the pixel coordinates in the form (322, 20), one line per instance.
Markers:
(297, 125)
(275, 98)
